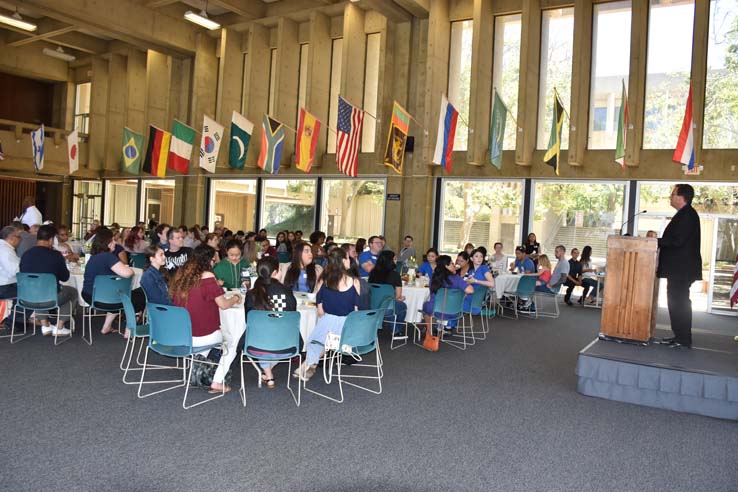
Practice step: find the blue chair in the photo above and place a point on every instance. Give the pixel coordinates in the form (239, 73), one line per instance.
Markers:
(283, 257)
(525, 291)
(320, 261)
(137, 260)
(170, 335)
(477, 302)
(271, 336)
(379, 294)
(358, 339)
(105, 299)
(137, 332)
(448, 306)
(37, 292)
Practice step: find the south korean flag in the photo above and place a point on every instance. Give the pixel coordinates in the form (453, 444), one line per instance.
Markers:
(212, 134)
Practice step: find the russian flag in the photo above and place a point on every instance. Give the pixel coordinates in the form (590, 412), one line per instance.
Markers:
(446, 132)
(684, 151)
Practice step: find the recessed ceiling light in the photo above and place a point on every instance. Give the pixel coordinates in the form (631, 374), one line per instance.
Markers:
(59, 53)
(201, 19)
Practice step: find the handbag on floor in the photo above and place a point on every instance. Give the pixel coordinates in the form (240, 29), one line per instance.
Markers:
(202, 374)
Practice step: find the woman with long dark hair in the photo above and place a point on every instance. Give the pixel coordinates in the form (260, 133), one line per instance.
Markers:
(431, 256)
(154, 278)
(444, 276)
(228, 270)
(385, 272)
(134, 241)
(589, 277)
(463, 265)
(196, 289)
(281, 243)
(338, 295)
(268, 294)
(302, 274)
(533, 248)
(480, 276)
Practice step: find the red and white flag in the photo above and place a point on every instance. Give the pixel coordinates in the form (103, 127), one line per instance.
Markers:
(348, 128)
(684, 151)
(73, 151)
(734, 288)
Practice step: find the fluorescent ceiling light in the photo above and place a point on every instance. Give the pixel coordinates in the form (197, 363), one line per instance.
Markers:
(16, 20)
(201, 19)
(59, 53)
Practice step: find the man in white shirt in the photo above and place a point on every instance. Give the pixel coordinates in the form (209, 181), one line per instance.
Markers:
(9, 261)
(30, 215)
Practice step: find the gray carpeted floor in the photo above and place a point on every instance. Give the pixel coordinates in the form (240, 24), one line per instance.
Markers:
(504, 416)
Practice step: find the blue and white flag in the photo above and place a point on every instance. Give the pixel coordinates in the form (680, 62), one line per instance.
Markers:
(37, 140)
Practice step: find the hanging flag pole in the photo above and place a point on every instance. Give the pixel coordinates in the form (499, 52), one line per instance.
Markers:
(495, 91)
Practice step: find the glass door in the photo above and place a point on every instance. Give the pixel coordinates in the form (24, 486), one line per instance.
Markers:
(723, 263)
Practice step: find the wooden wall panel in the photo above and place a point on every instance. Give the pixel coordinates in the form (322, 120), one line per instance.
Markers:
(12, 192)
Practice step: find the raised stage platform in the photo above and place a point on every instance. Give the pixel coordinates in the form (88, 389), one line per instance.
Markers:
(703, 380)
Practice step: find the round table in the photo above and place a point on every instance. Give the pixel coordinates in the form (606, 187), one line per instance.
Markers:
(414, 298)
(308, 319)
(506, 282)
(77, 280)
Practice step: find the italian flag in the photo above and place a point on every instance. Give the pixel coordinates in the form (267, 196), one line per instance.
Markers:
(180, 150)
(622, 129)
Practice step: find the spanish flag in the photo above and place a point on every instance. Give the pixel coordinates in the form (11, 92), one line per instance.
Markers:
(157, 152)
(553, 154)
(307, 140)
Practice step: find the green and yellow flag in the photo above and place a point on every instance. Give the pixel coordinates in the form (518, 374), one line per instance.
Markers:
(132, 145)
(394, 154)
(553, 154)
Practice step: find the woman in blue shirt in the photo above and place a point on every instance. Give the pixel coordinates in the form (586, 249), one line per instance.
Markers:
(444, 276)
(430, 264)
(153, 280)
(302, 274)
(481, 276)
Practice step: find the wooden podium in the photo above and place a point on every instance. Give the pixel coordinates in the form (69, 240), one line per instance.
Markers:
(631, 291)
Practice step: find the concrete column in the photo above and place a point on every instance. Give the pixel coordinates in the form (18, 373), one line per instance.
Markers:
(256, 85)
(229, 86)
(637, 82)
(137, 96)
(354, 53)
(319, 77)
(699, 72)
(98, 113)
(287, 80)
(530, 51)
(117, 104)
(436, 75)
(180, 88)
(481, 83)
(580, 82)
(158, 76)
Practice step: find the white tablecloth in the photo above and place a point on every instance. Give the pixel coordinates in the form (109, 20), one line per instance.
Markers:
(506, 282)
(78, 247)
(414, 298)
(308, 319)
(77, 280)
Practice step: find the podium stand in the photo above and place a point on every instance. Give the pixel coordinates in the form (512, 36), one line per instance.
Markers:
(631, 292)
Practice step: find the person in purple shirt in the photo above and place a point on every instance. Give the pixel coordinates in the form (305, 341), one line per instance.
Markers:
(443, 277)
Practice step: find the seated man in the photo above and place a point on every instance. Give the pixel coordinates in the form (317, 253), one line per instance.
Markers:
(522, 263)
(10, 237)
(575, 275)
(42, 258)
(61, 245)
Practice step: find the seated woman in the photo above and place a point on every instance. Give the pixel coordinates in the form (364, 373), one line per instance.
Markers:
(267, 249)
(135, 242)
(213, 240)
(544, 269)
(468, 248)
(385, 272)
(302, 274)
(102, 261)
(269, 294)
(119, 250)
(153, 280)
(282, 245)
(589, 277)
(463, 264)
(338, 295)
(480, 276)
(443, 277)
(228, 271)
(498, 261)
(429, 265)
(195, 288)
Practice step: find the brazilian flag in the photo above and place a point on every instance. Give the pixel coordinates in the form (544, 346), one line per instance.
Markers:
(132, 145)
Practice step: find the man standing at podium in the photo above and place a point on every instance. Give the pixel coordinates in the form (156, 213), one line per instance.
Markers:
(680, 263)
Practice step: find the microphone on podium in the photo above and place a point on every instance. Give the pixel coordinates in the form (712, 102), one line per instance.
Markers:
(631, 220)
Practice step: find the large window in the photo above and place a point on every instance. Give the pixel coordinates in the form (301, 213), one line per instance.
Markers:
(336, 63)
(507, 68)
(82, 107)
(86, 206)
(272, 81)
(288, 204)
(352, 208)
(577, 215)
(480, 212)
(557, 40)
(120, 202)
(371, 87)
(302, 77)
(157, 200)
(459, 78)
(668, 69)
(232, 204)
(721, 96)
(610, 68)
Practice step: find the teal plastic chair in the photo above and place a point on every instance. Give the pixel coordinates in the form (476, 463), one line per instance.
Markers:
(137, 260)
(283, 257)
(477, 300)
(271, 336)
(170, 335)
(358, 339)
(525, 291)
(36, 292)
(448, 306)
(379, 294)
(105, 299)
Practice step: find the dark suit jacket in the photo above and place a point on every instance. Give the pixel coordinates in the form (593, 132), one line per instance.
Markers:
(679, 248)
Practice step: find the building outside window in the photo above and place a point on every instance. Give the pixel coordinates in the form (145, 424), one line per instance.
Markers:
(352, 208)
(288, 204)
(506, 69)
(86, 206)
(459, 78)
(82, 107)
(232, 204)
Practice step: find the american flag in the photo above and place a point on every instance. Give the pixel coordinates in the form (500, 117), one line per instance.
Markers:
(350, 124)
(734, 288)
